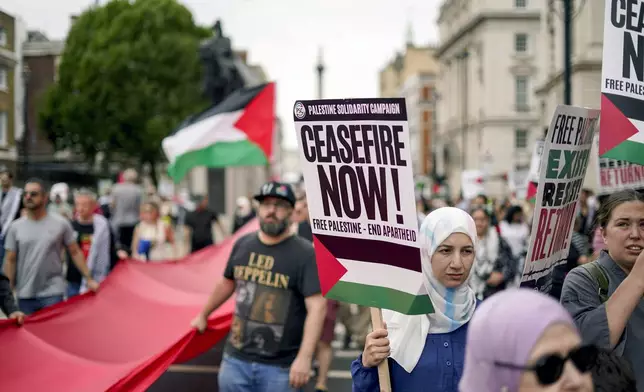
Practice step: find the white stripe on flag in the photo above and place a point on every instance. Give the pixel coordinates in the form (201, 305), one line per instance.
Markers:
(217, 128)
(382, 275)
(638, 137)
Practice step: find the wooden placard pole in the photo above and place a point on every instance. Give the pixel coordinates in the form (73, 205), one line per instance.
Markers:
(383, 368)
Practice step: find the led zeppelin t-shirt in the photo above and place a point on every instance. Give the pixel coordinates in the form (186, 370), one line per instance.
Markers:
(271, 283)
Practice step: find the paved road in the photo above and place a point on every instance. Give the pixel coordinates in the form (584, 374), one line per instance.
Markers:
(200, 375)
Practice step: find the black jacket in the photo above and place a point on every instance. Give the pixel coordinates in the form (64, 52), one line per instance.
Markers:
(7, 301)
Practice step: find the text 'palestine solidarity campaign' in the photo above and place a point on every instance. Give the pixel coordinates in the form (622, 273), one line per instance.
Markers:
(357, 161)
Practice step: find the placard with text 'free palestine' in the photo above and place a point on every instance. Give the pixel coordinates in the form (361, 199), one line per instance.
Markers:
(356, 161)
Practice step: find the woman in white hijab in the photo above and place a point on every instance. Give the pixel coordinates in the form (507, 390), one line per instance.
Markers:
(426, 352)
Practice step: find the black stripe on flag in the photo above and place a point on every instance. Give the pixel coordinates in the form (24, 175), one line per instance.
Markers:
(236, 101)
(630, 107)
(372, 251)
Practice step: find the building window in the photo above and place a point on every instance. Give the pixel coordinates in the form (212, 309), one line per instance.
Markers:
(425, 116)
(521, 43)
(522, 167)
(521, 94)
(520, 3)
(4, 78)
(4, 127)
(520, 139)
(425, 94)
(3, 36)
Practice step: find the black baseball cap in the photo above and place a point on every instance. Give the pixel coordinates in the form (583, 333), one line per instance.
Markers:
(278, 190)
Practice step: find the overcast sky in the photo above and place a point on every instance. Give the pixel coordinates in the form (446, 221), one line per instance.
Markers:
(358, 37)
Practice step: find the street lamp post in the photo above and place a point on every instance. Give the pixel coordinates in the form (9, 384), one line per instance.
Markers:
(26, 75)
(320, 70)
(567, 5)
(434, 132)
(464, 90)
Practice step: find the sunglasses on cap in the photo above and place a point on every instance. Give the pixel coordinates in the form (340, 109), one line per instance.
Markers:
(549, 368)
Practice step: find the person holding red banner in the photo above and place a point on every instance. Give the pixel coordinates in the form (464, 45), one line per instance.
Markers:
(279, 310)
(427, 351)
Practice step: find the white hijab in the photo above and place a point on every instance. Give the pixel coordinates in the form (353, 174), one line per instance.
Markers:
(453, 307)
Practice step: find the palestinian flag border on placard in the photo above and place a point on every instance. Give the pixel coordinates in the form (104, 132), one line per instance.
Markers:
(237, 132)
(621, 128)
(531, 193)
(343, 279)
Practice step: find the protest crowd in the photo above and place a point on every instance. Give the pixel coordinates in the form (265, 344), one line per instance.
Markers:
(483, 329)
(485, 292)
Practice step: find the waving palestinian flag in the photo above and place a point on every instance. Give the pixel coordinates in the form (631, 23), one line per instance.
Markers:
(237, 132)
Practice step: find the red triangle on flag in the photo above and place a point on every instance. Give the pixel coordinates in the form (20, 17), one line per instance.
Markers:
(614, 126)
(532, 190)
(330, 270)
(258, 120)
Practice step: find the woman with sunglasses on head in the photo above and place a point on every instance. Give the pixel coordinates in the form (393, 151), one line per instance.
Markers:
(520, 340)
(426, 351)
(605, 297)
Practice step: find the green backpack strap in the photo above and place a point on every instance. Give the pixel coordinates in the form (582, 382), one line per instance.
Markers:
(597, 272)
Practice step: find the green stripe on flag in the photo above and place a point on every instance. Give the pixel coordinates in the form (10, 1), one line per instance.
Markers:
(627, 151)
(220, 154)
(381, 297)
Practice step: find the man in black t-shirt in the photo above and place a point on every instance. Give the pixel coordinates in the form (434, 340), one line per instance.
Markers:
(279, 309)
(200, 223)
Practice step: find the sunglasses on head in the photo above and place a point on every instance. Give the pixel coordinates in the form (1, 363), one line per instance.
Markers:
(549, 368)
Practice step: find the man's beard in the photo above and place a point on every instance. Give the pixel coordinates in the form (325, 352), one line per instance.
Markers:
(273, 229)
(33, 206)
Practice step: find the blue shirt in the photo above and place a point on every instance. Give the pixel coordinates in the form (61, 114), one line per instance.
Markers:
(439, 368)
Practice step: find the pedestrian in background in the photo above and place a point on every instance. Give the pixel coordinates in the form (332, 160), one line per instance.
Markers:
(34, 253)
(200, 225)
(10, 206)
(244, 213)
(61, 207)
(94, 237)
(127, 197)
(153, 238)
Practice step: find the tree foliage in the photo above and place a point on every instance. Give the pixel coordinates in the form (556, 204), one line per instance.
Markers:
(129, 74)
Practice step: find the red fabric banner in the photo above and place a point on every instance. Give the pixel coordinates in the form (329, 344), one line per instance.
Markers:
(123, 337)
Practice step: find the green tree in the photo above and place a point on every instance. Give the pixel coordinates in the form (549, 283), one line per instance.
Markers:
(129, 74)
